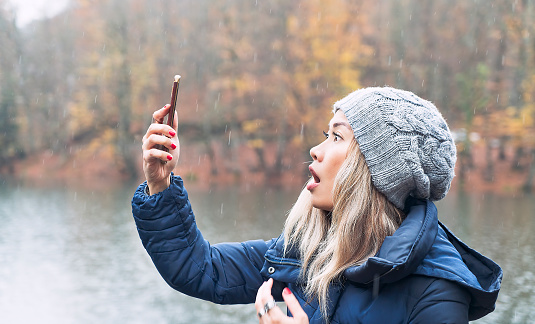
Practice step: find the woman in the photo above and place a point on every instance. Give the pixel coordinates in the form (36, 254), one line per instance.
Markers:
(362, 244)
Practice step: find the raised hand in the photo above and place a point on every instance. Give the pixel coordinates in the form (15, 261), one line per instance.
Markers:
(157, 163)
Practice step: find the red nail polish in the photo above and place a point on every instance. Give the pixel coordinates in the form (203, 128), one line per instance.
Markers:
(286, 291)
(173, 146)
(172, 133)
(169, 157)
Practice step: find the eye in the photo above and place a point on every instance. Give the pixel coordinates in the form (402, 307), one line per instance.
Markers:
(325, 134)
(337, 137)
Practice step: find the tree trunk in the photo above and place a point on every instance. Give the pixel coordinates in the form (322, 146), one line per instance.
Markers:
(124, 100)
(501, 153)
(528, 185)
(488, 173)
(515, 164)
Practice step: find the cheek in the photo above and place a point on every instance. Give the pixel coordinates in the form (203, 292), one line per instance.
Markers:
(337, 163)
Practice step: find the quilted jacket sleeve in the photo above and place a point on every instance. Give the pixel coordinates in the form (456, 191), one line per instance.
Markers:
(442, 302)
(226, 273)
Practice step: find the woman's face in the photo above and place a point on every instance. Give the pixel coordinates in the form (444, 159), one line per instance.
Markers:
(328, 157)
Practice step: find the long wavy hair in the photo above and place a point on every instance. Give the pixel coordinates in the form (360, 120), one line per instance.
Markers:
(329, 242)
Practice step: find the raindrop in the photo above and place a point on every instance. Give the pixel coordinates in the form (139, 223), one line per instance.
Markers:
(401, 63)
(221, 211)
(498, 98)
(96, 98)
(229, 134)
(302, 130)
(423, 83)
(389, 60)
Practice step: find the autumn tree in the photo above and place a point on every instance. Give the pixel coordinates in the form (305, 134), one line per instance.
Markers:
(9, 70)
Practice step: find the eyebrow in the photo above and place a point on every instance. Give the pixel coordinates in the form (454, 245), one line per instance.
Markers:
(337, 124)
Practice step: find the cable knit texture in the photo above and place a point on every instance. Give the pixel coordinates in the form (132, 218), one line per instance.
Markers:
(405, 141)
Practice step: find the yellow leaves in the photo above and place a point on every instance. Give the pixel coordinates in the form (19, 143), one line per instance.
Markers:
(292, 24)
(81, 119)
(330, 50)
(256, 143)
(105, 142)
(252, 126)
(349, 79)
(517, 123)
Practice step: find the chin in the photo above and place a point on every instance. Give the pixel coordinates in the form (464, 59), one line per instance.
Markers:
(323, 206)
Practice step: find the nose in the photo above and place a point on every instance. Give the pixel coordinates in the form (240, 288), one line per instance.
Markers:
(316, 153)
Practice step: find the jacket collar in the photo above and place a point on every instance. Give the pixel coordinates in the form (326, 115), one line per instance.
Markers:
(401, 253)
(398, 257)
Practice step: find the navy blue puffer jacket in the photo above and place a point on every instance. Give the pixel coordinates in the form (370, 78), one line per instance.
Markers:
(422, 273)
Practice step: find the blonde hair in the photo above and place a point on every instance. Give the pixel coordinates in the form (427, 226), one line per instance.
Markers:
(331, 242)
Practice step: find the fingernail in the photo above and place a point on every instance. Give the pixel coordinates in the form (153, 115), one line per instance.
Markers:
(169, 157)
(286, 291)
(173, 146)
(172, 133)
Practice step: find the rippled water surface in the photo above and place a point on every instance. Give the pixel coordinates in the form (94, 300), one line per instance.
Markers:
(74, 256)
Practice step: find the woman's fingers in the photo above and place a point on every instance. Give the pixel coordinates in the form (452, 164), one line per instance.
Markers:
(175, 121)
(294, 307)
(152, 154)
(160, 144)
(152, 140)
(160, 129)
(263, 297)
(157, 137)
(263, 294)
(274, 314)
(159, 115)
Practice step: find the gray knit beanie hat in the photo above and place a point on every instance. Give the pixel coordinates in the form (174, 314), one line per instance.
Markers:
(405, 141)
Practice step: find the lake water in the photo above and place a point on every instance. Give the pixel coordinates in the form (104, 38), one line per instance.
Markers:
(74, 256)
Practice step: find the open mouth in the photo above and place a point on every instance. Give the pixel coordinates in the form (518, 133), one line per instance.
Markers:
(312, 185)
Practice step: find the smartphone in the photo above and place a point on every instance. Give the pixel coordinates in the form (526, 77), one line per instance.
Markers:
(174, 96)
(171, 114)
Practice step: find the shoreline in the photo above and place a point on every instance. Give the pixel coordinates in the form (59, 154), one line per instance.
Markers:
(101, 172)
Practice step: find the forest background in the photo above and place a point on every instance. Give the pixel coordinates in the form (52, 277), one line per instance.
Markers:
(77, 90)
